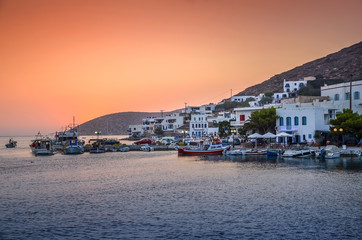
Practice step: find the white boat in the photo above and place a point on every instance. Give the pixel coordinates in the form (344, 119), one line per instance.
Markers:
(73, 147)
(147, 148)
(298, 152)
(42, 145)
(63, 138)
(329, 152)
(234, 152)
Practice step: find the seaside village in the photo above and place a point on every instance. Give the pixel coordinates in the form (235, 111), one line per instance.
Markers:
(301, 120)
(300, 126)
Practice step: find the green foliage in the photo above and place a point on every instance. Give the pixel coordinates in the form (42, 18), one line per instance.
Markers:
(266, 100)
(159, 131)
(269, 94)
(261, 121)
(228, 105)
(313, 88)
(224, 129)
(350, 122)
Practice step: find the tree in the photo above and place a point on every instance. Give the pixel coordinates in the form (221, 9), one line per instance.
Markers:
(159, 131)
(224, 129)
(261, 121)
(350, 122)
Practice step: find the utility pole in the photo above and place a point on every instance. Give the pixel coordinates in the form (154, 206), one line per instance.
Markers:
(231, 93)
(161, 113)
(350, 91)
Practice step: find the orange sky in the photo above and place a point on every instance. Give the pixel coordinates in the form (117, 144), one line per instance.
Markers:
(84, 58)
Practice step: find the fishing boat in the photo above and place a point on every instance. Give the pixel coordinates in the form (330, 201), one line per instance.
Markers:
(255, 152)
(273, 152)
(97, 146)
(147, 148)
(298, 152)
(329, 152)
(42, 145)
(73, 147)
(205, 149)
(11, 143)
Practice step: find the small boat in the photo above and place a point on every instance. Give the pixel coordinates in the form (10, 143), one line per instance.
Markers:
(234, 152)
(42, 145)
(330, 152)
(97, 146)
(11, 143)
(298, 152)
(255, 152)
(206, 149)
(273, 152)
(147, 148)
(73, 147)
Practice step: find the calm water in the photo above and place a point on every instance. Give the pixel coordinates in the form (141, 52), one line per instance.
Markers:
(138, 195)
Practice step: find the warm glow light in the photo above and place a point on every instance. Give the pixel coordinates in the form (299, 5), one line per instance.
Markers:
(88, 58)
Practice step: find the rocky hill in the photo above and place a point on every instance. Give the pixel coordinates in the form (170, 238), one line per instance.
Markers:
(343, 65)
(116, 123)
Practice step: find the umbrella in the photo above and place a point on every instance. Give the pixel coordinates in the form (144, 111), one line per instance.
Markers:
(269, 135)
(255, 135)
(284, 134)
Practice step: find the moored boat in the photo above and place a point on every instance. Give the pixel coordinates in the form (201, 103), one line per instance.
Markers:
(205, 149)
(298, 152)
(73, 147)
(97, 146)
(255, 152)
(329, 152)
(42, 145)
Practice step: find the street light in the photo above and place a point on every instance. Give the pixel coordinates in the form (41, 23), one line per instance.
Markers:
(233, 131)
(341, 132)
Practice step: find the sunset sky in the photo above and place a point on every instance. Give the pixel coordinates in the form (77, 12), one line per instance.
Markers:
(88, 58)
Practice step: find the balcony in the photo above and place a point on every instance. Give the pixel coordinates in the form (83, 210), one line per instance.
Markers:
(288, 128)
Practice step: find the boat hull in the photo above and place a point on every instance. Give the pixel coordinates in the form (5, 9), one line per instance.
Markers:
(199, 152)
(73, 150)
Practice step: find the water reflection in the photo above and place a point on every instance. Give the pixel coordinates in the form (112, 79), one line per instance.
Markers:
(343, 163)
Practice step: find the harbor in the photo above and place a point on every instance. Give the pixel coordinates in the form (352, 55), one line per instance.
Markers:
(159, 194)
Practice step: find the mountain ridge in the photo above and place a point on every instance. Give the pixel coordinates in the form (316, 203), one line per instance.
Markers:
(338, 65)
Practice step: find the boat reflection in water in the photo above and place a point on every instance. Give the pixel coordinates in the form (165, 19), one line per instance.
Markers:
(343, 163)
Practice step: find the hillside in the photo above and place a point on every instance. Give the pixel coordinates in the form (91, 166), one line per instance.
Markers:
(339, 65)
(115, 123)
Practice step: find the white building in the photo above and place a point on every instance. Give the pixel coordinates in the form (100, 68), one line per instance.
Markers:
(340, 94)
(302, 120)
(198, 125)
(277, 97)
(243, 114)
(241, 98)
(293, 86)
(220, 117)
(204, 109)
(136, 130)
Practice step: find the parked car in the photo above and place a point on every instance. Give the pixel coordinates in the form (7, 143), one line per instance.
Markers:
(145, 141)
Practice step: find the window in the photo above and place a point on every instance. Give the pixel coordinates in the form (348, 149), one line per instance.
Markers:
(192, 126)
(356, 95)
(309, 135)
(242, 118)
(336, 97)
(289, 121)
(303, 137)
(301, 85)
(287, 85)
(304, 120)
(281, 121)
(288, 90)
(347, 96)
(296, 121)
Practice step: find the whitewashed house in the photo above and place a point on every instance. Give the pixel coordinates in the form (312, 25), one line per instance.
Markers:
(293, 86)
(243, 114)
(344, 94)
(198, 125)
(136, 130)
(302, 120)
(241, 98)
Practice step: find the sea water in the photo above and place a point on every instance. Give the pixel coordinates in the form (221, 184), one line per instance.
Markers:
(159, 195)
